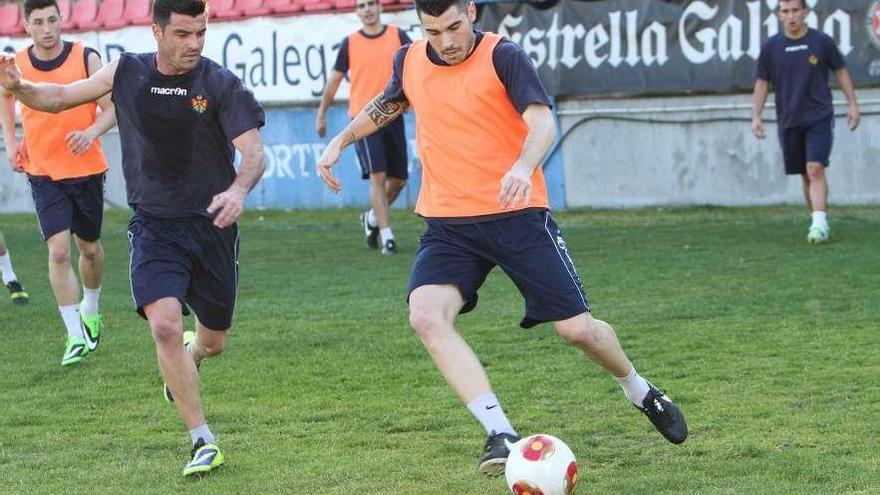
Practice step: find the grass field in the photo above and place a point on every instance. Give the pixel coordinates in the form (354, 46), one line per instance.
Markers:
(771, 346)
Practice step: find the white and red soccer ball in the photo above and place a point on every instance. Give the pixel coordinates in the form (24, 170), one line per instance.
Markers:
(541, 465)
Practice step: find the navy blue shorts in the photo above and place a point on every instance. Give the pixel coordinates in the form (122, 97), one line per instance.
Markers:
(811, 143)
(76, 205)
(528, 247)
(189, 259)
(384, 151)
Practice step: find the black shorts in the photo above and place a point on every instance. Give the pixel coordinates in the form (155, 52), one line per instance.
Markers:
(188, 259)
(810, 143)
(69, 204)
(384, 151)
(529, 248)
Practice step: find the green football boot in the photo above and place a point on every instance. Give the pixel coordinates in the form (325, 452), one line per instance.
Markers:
(17, 293)
(206, 457)
(75, 350)
(818, 235)
(92, 327)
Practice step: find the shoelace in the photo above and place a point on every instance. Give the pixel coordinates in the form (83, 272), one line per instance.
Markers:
(498, 440)
(656, 399)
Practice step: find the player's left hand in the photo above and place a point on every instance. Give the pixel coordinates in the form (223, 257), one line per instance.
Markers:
(853, 117)
(329, 158)
(78, 142)
(227, 206)
(516, 186)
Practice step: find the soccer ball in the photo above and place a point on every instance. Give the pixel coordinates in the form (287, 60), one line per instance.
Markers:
(541, 465)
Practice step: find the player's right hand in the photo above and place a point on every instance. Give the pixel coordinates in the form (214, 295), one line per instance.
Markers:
(15, 157)
(321, 125)
(10, 76)
(329, 158)
(758, 128)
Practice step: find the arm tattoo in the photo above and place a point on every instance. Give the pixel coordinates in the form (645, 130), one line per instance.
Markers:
(382, 111)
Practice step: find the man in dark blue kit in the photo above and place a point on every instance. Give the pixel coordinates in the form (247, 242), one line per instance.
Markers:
(181, 117)
(797, 62)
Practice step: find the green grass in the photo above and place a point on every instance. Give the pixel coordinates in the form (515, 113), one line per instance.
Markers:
(769, 344)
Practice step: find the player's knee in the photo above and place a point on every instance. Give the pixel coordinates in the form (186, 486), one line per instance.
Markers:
(166, 331)
(91, 251)
(59, 255)
(396, 184)
(585, 333)
(815, 171)
(378, 179)
(425, 321)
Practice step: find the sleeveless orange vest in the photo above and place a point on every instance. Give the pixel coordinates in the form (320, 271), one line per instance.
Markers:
(45, 133)
(370, 63)
(468, 133)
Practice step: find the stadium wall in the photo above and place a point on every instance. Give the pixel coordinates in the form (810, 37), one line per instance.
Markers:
(699, 150)
(612, 155)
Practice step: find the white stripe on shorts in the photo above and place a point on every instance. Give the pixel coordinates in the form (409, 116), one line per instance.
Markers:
(566, 265)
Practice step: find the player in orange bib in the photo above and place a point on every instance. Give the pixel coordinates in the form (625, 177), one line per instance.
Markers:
(366, 56)
(483, 124)
(65, 165)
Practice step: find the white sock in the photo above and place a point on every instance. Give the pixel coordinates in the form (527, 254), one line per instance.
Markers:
(488, 412)
(386, 234)
(371, 218)
(634, 386)
(70, 316)
(820, 219)
(90, 301)
(202, 432)
(6, 268)
(190, 349)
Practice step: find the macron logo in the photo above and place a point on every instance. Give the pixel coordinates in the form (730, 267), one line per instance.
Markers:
(168, 91)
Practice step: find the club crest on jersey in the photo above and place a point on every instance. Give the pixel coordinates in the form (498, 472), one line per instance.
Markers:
(813, 59)
(199, 103)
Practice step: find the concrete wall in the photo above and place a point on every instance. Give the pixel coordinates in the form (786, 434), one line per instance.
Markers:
(618, 163)
(610, 162)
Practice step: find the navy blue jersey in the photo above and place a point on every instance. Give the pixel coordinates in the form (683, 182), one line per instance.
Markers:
(513, 66)
(798, 71)
(342, 63)
(177, 131)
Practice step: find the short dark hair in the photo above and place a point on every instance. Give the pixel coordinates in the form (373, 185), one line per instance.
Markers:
(435, 8)
(162, 9)
(32, 5)
(803, 4)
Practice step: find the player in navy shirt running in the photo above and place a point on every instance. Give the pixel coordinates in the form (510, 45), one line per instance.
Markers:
(181, 117)
(797, 63)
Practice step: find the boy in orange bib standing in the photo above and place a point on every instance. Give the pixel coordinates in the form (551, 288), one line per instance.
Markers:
(65, 167)
(366, 56)
(483, 124)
